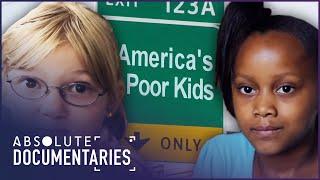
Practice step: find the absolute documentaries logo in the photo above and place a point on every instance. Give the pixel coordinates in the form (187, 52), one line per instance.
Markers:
(68, 151)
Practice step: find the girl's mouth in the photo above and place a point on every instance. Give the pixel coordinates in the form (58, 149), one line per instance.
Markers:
(266, 132)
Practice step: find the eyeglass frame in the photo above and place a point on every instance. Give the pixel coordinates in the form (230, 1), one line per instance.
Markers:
(60, 90)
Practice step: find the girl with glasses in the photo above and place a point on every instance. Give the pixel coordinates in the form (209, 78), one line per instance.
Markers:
(61, 76)
(61, 72)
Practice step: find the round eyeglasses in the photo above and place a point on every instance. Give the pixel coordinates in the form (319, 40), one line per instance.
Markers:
(76, 94)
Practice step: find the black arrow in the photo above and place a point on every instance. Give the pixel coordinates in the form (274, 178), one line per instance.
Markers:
(138, 143)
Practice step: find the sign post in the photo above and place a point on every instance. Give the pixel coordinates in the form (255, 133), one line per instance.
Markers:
(167, 52)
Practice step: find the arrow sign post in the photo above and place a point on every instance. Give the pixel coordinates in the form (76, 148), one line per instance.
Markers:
(136, 142)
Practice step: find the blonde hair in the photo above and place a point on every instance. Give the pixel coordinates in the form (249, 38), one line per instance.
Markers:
(28, 41)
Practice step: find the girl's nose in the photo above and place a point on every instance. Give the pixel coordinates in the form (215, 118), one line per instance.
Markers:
(53, 106)
(264, 106)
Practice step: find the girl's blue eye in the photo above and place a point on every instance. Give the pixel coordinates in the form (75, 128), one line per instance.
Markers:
(80, 88)
(247, 90)
(31, 83)
(285, 89)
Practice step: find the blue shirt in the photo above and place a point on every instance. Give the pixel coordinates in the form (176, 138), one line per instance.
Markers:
(225, 156)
